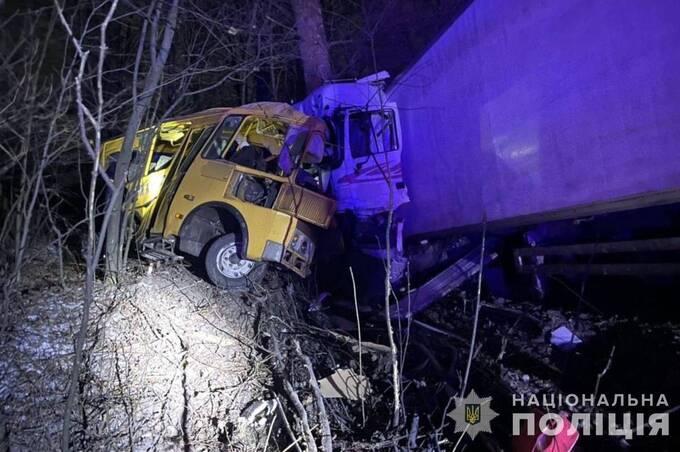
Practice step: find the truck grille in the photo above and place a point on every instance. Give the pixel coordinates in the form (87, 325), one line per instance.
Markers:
(306, 205)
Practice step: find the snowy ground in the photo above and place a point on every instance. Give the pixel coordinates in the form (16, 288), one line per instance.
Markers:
(171, 364)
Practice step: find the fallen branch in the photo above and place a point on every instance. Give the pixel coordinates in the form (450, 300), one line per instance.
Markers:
(302, 415)
(326, 436)
(350, 340)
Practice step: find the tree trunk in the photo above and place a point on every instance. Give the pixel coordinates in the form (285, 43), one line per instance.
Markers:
(115, 231)
(313, 44)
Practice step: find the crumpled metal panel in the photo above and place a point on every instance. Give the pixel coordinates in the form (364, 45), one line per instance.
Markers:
(527, 107)
(306, 205)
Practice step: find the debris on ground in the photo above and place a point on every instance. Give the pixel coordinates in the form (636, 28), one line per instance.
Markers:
(564, 338)
(344, 383)
(449, 279)
(173, 362)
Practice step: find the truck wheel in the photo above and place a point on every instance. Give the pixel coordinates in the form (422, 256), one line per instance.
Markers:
(226, 269)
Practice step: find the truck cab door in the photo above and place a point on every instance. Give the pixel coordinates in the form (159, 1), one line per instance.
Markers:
(371, 166)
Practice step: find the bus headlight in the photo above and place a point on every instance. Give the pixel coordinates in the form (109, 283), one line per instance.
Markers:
(302, 245)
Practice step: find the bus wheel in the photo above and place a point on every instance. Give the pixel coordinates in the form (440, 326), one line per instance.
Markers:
(225, 267)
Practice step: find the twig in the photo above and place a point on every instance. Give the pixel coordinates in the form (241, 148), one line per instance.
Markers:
(361, 367)
(477, 309)
(287, 425)
(460, 438)
(504, 341)
(413, 433)
(348, 339)
(604, 372)
(440, 331)
(297, 440)
(294, 444)
(576, 294)
(269, 434)
(409, 320)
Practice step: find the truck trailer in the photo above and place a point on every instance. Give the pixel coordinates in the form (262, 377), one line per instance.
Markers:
(551, 110)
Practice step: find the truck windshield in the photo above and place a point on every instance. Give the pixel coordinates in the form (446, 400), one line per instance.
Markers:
(372, 132)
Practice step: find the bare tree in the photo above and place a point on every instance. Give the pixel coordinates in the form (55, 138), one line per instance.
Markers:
(159, 49)
(89, 118)
(35, 133)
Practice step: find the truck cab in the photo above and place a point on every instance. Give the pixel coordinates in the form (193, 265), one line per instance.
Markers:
(364, 152)
(363, 160)
(234, 187)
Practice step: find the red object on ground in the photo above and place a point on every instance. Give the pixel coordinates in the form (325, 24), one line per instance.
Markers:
(562, 442)
(540, 442)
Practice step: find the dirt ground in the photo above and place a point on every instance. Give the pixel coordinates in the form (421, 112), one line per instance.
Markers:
(169, 365)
